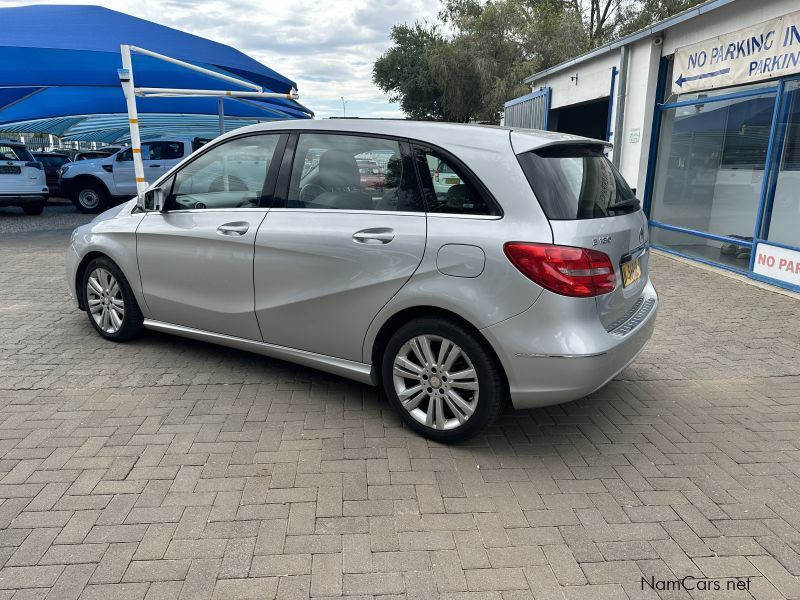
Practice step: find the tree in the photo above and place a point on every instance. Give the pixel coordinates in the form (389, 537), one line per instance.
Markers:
(467, 69)
(403, 72)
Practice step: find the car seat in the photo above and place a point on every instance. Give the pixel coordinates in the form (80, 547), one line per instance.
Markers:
(338, 176)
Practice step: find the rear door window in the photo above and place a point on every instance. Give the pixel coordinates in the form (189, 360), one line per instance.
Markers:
(450, 189)
(172, 150)
(352, 172)
(575, 182)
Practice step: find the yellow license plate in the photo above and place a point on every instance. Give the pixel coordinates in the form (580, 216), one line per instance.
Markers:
(631, 272)
(452, 181)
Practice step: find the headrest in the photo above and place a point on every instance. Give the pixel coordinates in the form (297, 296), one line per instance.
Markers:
(394, 171)
(458, 196)
(338, 170)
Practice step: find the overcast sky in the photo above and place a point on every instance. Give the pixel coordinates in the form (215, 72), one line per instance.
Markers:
(326, 46)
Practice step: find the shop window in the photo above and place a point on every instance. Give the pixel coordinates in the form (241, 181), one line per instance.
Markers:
(710, 167)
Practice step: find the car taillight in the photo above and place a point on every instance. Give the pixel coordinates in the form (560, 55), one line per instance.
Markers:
(108, 168)
(436, 174)
(35, 165)
(566, 270)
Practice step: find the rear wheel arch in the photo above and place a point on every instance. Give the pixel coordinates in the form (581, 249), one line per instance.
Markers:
(398, 319)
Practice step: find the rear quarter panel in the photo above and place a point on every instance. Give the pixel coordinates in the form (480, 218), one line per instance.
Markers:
(500, 291)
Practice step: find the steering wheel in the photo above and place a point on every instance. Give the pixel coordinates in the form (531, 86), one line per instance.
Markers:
(306, 190)
(246, 203)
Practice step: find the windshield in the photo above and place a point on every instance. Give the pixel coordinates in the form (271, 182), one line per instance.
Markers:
(577, 182)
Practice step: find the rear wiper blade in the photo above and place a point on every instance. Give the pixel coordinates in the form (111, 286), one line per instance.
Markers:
(633, 202)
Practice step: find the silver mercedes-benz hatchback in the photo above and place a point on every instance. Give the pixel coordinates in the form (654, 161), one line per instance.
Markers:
(456, 266)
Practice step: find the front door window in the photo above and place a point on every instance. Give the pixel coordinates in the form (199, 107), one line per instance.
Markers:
(230, 175)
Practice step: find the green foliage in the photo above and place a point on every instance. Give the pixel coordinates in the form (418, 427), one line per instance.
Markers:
(403, 72)
(466, 70)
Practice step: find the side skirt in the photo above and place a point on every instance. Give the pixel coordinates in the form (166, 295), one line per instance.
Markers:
(357, 371)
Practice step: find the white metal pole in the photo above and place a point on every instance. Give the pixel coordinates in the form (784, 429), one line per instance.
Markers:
(126, 78)
(188, 65)
(178, 92)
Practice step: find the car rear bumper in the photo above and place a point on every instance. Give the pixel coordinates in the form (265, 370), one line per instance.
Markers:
(558, 351)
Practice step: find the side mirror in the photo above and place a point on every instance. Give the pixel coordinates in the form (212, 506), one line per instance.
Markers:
(152, 199)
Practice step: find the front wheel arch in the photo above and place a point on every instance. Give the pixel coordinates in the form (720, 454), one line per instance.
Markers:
(81, 181)
(79, 272)
(121, 302)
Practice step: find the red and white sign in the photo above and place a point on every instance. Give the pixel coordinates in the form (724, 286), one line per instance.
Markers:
(778, 263)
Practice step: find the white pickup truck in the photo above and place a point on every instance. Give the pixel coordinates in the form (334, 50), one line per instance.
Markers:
(94, 185)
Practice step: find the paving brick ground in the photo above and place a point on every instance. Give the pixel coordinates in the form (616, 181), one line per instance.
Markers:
(165, 468)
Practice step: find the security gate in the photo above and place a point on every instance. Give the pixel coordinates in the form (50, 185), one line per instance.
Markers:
(530, 111)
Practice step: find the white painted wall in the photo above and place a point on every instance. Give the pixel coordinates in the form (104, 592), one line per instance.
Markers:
(594, 81)
(639, 102)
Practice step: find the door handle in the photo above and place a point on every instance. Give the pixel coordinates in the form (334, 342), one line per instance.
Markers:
(154, 166)
(235, 228)
(377, 235)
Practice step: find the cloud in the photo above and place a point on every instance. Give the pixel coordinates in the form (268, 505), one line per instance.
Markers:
(326, 46)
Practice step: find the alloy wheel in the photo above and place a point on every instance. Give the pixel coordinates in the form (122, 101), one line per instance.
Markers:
(435, 382)
(104, 299)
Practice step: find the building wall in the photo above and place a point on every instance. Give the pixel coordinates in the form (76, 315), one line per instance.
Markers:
(634, 142)
(594, 81)
(594, 75)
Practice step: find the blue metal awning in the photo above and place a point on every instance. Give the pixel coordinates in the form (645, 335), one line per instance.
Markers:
(63, 80)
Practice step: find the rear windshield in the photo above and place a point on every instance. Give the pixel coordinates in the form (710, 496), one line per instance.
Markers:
(14, 152)
(577, 182)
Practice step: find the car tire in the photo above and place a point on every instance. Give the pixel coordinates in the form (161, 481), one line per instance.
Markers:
(450, 405)
(34, 208)
(90, 198)
(109, 301)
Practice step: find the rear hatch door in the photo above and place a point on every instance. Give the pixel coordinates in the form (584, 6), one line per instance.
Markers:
(589, 205)
(18, 175)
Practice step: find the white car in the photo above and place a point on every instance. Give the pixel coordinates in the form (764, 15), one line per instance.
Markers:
(94, 185)
(22, 180)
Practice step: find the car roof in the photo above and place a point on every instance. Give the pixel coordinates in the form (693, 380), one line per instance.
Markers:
(427, 131)
(11, 142)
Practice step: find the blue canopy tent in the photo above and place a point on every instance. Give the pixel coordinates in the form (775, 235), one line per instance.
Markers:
(58, 75)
